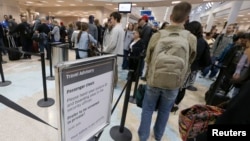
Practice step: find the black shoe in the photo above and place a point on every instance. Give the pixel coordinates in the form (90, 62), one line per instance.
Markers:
(192, 88)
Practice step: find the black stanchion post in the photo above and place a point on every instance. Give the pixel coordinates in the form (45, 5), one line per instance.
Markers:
(132, 98)
(51, 77)
(121, 133)
(45, 102)
(3, 83)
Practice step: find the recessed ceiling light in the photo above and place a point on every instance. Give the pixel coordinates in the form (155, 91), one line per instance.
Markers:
(134, 4)
(43, 1)
(175, 2)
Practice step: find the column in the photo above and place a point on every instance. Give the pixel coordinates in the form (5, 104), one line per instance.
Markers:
(168, 13)
(10, 7)
(124, 20)
(210, 21)
(234, 11)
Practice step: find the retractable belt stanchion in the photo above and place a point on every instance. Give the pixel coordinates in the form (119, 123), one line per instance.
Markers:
(121, 133)
(3, 83)
(132, 99)
(51, 77)
(45, 102)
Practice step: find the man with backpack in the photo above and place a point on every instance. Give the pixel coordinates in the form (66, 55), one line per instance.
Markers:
(169, 55)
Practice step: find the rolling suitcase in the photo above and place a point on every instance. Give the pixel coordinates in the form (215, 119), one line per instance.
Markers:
(13, 55)
(215, 94)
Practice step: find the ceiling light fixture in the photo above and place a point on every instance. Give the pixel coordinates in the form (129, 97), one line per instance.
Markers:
(175, 2)
(134, 4)
(43, 1)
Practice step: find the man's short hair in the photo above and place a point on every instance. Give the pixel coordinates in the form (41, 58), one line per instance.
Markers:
(181, 11)
(117, 16)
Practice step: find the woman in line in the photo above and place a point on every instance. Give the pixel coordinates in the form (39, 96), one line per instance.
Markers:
(127, 40)
(74, 38)
(83, 40)
(136, 48)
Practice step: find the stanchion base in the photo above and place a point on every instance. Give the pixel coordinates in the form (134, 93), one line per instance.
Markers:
(115, 133)
(50, 78)
(43, 103)
(5, 83)
(132, 100)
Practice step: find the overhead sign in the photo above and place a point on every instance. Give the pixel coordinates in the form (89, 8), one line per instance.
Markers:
(84, 93)
(151, 18)
(146, 12)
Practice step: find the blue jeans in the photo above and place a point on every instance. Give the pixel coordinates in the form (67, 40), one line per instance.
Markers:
(164, 99)
(125, 59)
(214, 70)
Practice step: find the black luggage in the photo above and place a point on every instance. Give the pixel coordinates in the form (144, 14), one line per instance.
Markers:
(216, 94)
(13, 55)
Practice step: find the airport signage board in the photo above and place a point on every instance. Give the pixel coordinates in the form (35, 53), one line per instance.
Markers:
(84, 96)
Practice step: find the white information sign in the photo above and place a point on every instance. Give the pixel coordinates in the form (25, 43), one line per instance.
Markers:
(86, 96)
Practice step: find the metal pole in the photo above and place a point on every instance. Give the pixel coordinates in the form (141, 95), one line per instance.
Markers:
(3, 83)
(45, 102)
(126, 100)
(51, 77)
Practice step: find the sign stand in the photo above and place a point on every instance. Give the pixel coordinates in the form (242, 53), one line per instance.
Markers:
(84, 102)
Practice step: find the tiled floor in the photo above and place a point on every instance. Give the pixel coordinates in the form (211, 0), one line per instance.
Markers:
(26, 90)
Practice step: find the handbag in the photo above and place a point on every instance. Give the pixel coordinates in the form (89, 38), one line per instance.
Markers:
(139, 96)
(195, 119)
(140, 92)
(92, 50)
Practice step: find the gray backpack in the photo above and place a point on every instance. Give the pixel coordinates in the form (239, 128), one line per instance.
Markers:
(170, 59)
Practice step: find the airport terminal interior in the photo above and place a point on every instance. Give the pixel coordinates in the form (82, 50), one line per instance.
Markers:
(23, 119)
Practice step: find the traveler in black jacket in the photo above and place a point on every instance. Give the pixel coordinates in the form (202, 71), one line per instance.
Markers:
(25, 32)
(136, 48)
(201, 61)
(237, 112)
